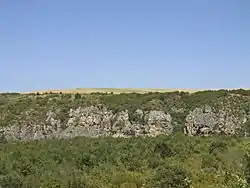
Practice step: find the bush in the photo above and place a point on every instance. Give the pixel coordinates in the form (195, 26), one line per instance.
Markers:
(11, 181)
(164, 150)
(170, 176)
(217, 146)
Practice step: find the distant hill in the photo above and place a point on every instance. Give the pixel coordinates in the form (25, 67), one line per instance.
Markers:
(115, 90)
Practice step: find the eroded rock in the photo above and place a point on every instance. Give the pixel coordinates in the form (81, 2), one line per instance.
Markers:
(92, 121)
(207, 121)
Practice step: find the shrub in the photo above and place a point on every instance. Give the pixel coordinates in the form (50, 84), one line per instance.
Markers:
(170, 176)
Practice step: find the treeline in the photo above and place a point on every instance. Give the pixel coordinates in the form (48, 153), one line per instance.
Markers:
(245, 92)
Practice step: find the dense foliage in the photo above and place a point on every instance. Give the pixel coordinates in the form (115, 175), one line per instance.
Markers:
(175, 161)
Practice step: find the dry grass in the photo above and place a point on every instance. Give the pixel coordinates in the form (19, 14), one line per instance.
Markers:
(114, 90)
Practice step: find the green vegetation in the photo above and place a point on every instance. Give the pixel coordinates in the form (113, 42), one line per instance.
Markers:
(175, 161)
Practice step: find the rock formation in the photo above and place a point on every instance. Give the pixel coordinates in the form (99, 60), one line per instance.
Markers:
(67, 116)
(205, 121)
(92, 121)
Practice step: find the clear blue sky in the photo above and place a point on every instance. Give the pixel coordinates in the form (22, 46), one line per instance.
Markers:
(133, 43)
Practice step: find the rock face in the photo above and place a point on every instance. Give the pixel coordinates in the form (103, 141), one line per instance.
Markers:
(92, 121)
(206, 121)
(98, 120)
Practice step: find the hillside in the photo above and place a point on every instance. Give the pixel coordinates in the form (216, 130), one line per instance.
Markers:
(127, 140)
(36, 116)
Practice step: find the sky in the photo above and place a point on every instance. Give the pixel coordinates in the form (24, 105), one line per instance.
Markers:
(56, 44)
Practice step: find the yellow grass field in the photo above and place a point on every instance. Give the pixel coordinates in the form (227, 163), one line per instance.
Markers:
(114, 90)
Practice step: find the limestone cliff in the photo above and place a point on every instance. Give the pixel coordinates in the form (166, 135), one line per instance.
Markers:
(66, 116)
(91, 121)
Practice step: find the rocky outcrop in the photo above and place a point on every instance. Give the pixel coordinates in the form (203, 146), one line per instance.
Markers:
(96, 121)
(91, 121)
(207, 121)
